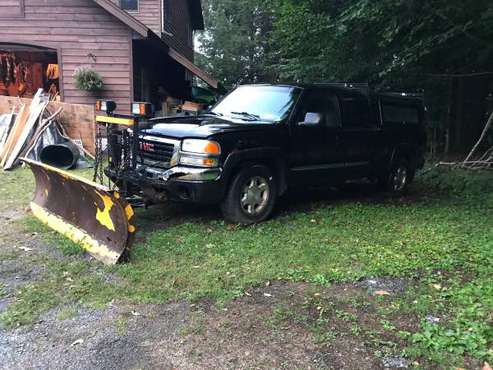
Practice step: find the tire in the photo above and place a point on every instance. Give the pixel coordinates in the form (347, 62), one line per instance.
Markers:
(397, 180)
(251, 196)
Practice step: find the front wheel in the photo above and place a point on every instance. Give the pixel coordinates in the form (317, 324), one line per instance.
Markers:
(251, 196)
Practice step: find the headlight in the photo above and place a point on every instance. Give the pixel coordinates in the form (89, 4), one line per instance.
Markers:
(200, 153)
(201, 147)
(198, 161)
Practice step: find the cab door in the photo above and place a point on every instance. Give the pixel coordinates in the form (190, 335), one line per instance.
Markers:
(315, 154)
(360, 135)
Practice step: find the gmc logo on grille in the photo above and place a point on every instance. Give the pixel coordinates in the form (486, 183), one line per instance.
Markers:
(147, 147)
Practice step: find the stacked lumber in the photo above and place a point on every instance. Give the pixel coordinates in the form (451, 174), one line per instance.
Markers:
(77, 120)
(23, 128)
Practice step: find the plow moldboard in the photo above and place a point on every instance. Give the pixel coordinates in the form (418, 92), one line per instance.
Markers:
(90, 214)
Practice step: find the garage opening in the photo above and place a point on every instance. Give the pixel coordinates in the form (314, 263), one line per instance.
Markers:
(24, 69)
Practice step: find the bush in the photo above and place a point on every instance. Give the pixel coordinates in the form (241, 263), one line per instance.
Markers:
(458, 181)
(88, 79)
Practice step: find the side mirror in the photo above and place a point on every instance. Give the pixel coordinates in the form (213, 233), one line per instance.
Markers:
(311, 119)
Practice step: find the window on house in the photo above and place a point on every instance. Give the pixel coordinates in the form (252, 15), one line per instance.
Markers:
(12, 9)
(132, 5)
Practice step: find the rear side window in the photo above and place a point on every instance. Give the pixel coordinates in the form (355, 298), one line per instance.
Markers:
(356, 112)
(400, 114)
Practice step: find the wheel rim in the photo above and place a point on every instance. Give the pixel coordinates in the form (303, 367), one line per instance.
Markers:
(399, 179)
(255, 196)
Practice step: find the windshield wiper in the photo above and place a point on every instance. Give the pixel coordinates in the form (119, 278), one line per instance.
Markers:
(249, 116)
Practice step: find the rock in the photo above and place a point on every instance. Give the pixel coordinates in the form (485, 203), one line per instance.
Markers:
(395, 363)
(432, 319)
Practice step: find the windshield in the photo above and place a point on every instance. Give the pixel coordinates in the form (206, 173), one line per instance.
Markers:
(258, 103)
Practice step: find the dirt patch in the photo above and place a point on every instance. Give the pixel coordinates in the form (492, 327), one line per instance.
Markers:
(281, 326)
(276, 326)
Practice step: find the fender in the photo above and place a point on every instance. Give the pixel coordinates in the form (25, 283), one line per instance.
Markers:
(405, 150)
(272, 156)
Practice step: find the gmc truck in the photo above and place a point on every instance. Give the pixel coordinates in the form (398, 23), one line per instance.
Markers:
(260, 140)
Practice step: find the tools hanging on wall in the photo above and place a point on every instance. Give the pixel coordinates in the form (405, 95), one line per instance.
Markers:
(21, 77)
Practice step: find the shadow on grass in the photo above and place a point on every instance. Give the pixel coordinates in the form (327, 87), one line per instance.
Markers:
(159, 217)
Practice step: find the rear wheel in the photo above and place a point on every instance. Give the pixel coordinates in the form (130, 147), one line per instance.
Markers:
(398, 178)
(251, 196)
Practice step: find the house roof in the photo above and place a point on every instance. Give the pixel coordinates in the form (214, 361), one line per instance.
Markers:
(144, 31)
(123, 16)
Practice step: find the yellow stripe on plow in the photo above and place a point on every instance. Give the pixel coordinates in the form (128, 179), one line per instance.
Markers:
(89, 244)
(115, 120)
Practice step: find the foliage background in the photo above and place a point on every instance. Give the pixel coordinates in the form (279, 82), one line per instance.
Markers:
(386, 42)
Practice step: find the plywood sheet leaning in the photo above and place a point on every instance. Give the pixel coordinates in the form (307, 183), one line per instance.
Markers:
(36, 109)
(14, 132)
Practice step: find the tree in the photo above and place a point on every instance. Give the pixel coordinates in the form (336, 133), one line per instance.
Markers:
(385, 41)
(235, 47)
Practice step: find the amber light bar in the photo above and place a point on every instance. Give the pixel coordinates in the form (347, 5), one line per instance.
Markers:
(141, 109)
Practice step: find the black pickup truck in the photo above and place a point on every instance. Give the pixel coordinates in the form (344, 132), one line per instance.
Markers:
(261, 139)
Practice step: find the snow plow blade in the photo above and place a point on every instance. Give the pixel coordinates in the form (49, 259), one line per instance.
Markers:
(89, 214)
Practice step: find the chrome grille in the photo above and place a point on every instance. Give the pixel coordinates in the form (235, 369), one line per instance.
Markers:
(156, 151)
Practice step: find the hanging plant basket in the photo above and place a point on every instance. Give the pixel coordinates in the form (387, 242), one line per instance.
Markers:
(88, 79)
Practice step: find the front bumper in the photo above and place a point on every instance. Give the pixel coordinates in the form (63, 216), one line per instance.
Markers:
(183, 184)
(181, 173)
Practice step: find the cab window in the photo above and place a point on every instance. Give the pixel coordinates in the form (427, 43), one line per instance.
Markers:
(325, 103)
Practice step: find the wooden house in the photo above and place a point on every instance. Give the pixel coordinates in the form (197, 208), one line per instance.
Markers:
(142, 49)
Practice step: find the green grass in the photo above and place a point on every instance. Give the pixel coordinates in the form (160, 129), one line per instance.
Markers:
(68, 248)
(16, 188)
(444, 239)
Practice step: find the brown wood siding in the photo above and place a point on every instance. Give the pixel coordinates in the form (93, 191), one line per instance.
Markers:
(76, 29)
(149, 13)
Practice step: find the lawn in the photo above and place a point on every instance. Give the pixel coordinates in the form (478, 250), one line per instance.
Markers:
(439, 239)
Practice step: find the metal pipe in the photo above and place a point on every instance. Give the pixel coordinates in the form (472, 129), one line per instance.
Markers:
(64, 155)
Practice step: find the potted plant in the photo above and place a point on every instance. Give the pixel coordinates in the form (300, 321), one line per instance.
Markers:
(88, 79)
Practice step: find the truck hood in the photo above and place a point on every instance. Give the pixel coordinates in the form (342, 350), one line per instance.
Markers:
(201, 127)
